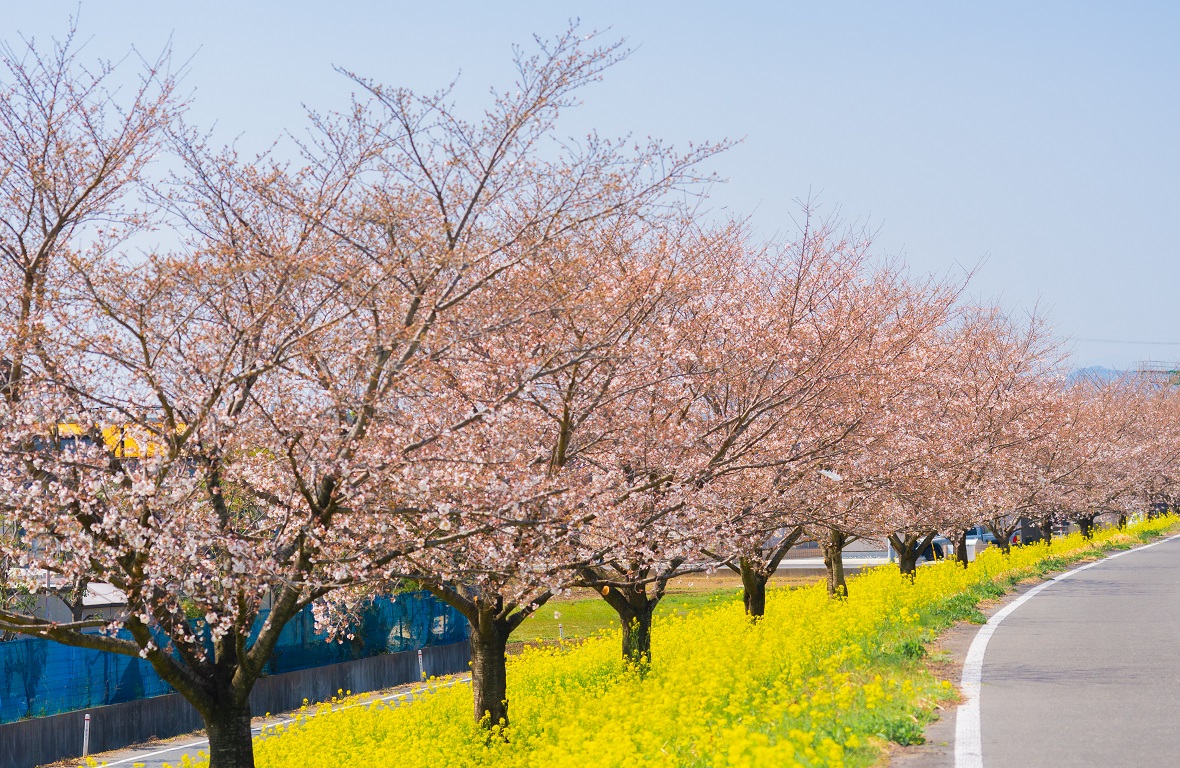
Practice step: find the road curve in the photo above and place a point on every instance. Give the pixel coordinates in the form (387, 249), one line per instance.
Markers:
(1087, 672)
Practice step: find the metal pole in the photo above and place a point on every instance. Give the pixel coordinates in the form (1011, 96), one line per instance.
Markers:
(86, 736)
(560, 632)
(421, 669)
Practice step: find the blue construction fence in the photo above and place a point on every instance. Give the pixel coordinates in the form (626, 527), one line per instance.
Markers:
(41, 677)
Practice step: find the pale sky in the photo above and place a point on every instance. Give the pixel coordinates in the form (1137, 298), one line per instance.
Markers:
(1039, 138)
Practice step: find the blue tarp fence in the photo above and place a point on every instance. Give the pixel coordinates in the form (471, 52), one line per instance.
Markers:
(41, 677)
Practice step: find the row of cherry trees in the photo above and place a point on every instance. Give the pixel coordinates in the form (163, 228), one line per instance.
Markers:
(470, 356)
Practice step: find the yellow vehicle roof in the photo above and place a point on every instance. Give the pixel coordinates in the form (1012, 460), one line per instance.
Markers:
(117, 439)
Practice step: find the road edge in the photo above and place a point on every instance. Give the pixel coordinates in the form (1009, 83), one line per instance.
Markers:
(968, 728)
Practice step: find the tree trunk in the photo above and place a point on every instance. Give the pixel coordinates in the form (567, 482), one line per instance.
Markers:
(489, 677)
(1003, 537)
(961, 549)
(1086, 525)
(637, 636)
(1122, 522)
(1047, 530)
(833, 548)
(753, 588)
(757, 570)
(909, 550)
(907, 560)
(491, 625)
(231, 745)
(635, 610)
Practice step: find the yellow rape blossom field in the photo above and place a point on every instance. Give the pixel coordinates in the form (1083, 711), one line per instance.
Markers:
(818, 682)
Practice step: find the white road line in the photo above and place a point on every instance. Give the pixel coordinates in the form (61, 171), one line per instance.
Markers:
(260, 729)
(141, 758)
(968, 733)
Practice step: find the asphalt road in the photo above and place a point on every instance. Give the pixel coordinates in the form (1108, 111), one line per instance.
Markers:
(1087, 672)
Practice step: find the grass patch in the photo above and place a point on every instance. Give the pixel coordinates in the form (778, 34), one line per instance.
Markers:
(585, 614)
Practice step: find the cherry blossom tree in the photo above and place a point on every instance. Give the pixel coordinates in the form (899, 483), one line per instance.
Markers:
(1009, 381)
(902, 363)
(626, 418)
(1109, 457)
(73, 149)
(1160, 420)
(471, 355)
(278, 370)
(846, 327)
(172, 354)
(807, 326)
(576, 351)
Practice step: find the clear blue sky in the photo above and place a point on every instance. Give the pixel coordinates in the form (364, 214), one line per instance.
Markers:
(1042, 137)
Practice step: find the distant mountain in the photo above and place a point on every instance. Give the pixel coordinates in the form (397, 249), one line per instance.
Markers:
(1095, 373)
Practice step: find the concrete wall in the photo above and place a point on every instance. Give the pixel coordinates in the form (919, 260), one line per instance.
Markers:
(53, 608)
(30, 743)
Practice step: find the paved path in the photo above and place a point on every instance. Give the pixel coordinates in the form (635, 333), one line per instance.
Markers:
(1087, 672)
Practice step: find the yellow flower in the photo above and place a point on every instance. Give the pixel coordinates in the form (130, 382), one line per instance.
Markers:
(812, 684)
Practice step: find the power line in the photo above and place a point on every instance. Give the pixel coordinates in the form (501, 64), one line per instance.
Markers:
(1129, 341)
